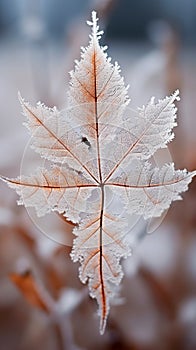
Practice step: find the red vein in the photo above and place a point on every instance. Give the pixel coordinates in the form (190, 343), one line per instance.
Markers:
(136, 142)
(60, 141)
(89, 224)
(89, 236)
(103, 296)
(115, 274)
(107, 82)
(89, 259)
(117, 241)
(104, 310)
(151, 199)
(53, 187)
(172, 182)
(84, 87)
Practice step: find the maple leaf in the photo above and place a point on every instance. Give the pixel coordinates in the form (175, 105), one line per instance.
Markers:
(102, 171)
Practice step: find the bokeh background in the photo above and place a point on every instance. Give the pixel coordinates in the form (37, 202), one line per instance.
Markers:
(42, 302)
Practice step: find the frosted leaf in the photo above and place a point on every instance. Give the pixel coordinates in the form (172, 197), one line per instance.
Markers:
(59, 189)
(148, 191)
(101, 172)
(55, 138)
(141, 134)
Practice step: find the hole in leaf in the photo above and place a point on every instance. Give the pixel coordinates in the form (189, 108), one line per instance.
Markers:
(86, 141)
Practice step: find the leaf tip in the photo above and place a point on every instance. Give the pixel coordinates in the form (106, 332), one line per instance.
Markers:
(102, 325)
(95, 28)
(176, 95)
(94, 20)
(3, 178)
(21, 100)
(94, 16)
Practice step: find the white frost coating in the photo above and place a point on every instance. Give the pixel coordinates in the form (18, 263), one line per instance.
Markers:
(141, 134)
(148, 191)
(58, 189)
(101, 174)
(55, 138)
(86, 250)
(96, 34)
(96, 78)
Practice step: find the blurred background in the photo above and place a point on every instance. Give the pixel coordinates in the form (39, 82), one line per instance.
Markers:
(42, 302)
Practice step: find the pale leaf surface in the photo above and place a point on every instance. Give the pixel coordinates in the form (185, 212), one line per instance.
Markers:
(141, 134)
(59, 189)
(55, 139)
(148, 191)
